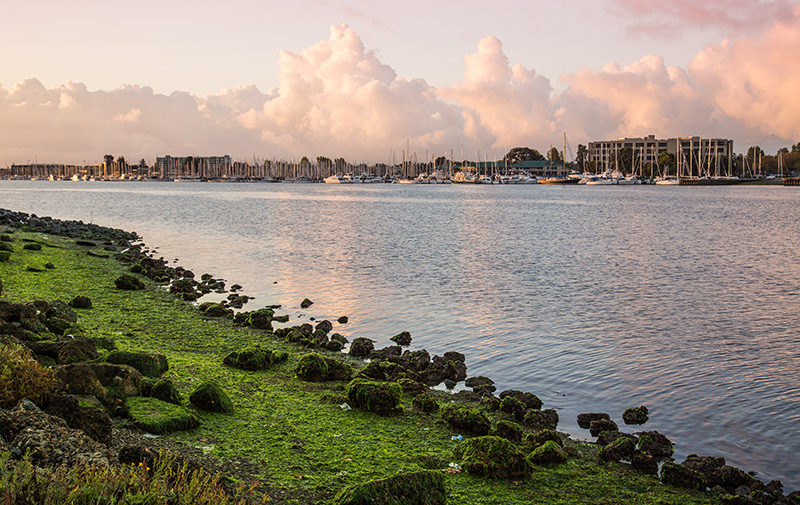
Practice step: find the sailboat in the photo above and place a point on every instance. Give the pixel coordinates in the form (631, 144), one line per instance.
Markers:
(564, 177)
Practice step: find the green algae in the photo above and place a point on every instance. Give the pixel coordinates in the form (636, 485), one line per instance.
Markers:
(302, 449)
(159, 417)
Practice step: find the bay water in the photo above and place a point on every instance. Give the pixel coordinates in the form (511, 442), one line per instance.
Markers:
(596, 299)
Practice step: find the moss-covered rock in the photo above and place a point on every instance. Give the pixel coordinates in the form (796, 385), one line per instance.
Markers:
(541, 419)
(425, 403)
(83, 413)
(655, 444)
(636, 415)
(361, 347)
(585, 420)
(621, 448)
(209, 396)
(314, 367)
(418, 488)
(261, 319)
(513, 407)
(601, 425)
(530, 400)
(32, 246)
(165, 390)
(681, 476)
(251, 358)
(403, 338)
(81, 302)
(152, 365)
(211, 309)
(492, 457)
(159, 417)
(128, 282)
(5, 255)
(508, 430)
(466, 418)
(534, 440)
(5, 246)
(306, 303)
(381, 398)
(548, 453)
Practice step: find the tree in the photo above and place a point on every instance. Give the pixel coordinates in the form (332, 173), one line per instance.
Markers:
(519, 154)
(796, 148)
(324, 161)
(340, 164)
(666, 161)
(142, 164)
(304, 161)
(553, 155)
(581, 156)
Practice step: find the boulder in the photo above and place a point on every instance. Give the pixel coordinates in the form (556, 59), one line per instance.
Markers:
(80, 379)
(548, 453)
(149, 364)
(681, 476)
(513, 407)
(324, 326)
(492, 457)
(75, 350)
(83, 413)
(530, 400)
(585, 420)
(417, 488)
(648, 465)
(209, 396)
(386, 353)
(306, 303)
(601, 425)
(454, 356)
(314, 367)
(478, 381)
(466, 418)
(361, 347)
(655, 444)
(456, 371)
(534, 440)
(342, 320)
(381, 398)
(636, 415)
(508, 430)
(250, 358)
(621, 448)
(402, 338)
(425, 403)
(211, 309)
(155, 416)
(261, 319)
(541, 419)
(412, 387)
(128, 282)
(606, 437)
(165, 390)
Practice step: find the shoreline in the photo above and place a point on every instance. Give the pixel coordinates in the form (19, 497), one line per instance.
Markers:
(471, 399)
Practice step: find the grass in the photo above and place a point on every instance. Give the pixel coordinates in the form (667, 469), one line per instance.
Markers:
(283, 432)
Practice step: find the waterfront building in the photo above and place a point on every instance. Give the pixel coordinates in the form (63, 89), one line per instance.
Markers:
(695, 156)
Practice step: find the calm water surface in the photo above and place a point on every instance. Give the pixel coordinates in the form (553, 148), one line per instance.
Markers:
(594, 298)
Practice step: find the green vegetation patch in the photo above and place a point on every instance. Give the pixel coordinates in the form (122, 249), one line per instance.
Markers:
(417, 488)
(466, 418)
(254, 358)
(166, 391)
(378, 397)
(492, 457)
(21, 376)
(149, 364)
(159, 417)
(210, 397)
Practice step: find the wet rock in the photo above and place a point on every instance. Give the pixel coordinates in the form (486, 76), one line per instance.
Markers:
(306, 303)
(530, 400)
(606, 437)
(324, 326)
(456, 371)
(361, 347)
(80, 379)
(81, 302)
(333, 346)
(386, 352)
(636, 415)
(314, 367)
(209, 396)
(477, 381)
(681, 476)
(83, 413)
(412, 387)
(261, 319)
(534, 440)
(730, 478)
(508, 430)
(403, 338)
(655, 444)
(706, 465)
(382, 398)
(601, 425)
(417, 360)
(585, 420)
(490, 403)
(548, 453)
(541, 419)
(128, 282)
(149, 364)
(492, 457)
(484, 390)
(342, 320)
(454, 356)
(449, 384)
(621, 448)
(466, 418)
(425, 403)
(645, 464)
(211, 309)
(513, 407)
(418, 488)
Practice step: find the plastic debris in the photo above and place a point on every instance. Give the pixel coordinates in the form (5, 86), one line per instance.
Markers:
(345, 406)
(457, 437)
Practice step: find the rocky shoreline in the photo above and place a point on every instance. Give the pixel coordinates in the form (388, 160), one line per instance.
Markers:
(99, 407)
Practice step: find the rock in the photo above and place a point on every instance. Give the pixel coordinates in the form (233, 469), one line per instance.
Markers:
(456, 371)
(32, 247)
(477, 381)
(83, 413)
(314, 367)
(361, 347)
(454, 356)
(730, 478)
(261, 319)
(449, 384)
(513, 407)
(333, 346)
(81, 302)
(585, 420)
(466, 418)
(541, 419)
(4, 256)
(76, 350)
(416, 360)
(386, 352)
(636, 415)
(128, 282)
(621, 448)
(342, 320)
(548, 453)
(152, 365)
(306, 303)
(324, 326)
(492, 457)
(381, 398)
(425, 403)
(508, 430)
(530, 400)
(79, 379)
(606, 437)
(418, 488)
(601, 425)
(534, 440)
(403, 338)
(412, 387)
(159, 417)
(681, 476)
(209, 396)
(648, 465)
(120, 381)
(211, 309)
(249, 358)
(165, 390)
(484, 390)
(655, 444)
(706, 465)
(337, 337)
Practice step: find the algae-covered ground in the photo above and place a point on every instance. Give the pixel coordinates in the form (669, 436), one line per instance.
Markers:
(293, 437)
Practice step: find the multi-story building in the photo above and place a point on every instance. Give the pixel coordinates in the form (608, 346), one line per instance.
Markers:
(694, 156)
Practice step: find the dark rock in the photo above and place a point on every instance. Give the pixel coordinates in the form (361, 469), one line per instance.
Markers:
(49, 266)
(361, 347)
(418, 488)
(75, 350)
(655, 444)
(412, 387)
(636, 415)
(508, 430)
(484, 390)
(249, 358)
(261, 319)
(403, 338)
(530, 400)
(324, 326)
(490, 403)
(467, 396)
(621, 448)
(417, 360)
(585, 420)
(425, 403)
(81, 302)
(386, 352)
(648, 465)
(32, 247)
(492, 457)
(306, 303)
(337, 337)
(541, 419)
(152, 365)
(342, 320)
(706, 465)
(449, 384)
(681, 476)
(211, 309)
(454, 356)
(466, 418)
(601, 425)
(534, 440)
(165, 390)
(456, 371)
(333, 346)
(513, 407)
(382, 398)
(317, 368)
(480, 380)
(548, 453)
(209, 396)
(83, 413)
(730, 478)
(606, 437)
(128, 283)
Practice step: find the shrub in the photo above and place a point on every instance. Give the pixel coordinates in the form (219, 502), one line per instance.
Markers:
(159, 417)
(209, 396)
(21, 376)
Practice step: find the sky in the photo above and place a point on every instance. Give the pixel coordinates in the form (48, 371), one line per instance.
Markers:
(363, 79)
